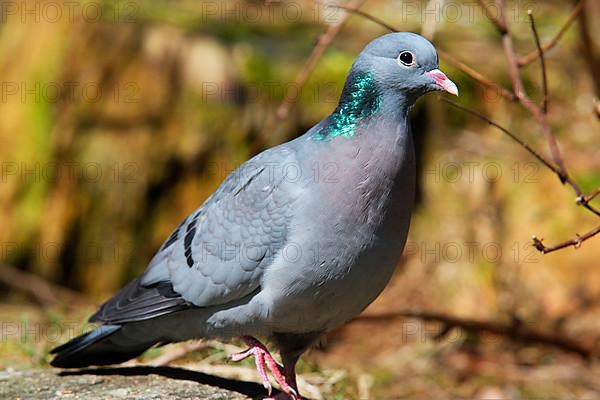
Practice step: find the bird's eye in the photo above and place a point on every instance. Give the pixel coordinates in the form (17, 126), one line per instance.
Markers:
(407, 58)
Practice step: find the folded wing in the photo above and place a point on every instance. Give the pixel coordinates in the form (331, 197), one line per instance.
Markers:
(217, 254)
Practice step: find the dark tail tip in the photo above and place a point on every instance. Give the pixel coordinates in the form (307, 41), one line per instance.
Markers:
(89, 349)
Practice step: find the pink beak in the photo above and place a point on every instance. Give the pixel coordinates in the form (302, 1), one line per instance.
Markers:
(442, 81)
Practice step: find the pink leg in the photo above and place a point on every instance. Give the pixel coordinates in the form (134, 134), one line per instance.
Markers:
(265, 360)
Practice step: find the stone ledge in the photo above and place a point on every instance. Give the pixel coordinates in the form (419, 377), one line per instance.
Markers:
(123, 383)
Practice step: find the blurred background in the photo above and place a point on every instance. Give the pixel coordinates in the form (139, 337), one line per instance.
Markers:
(117, 119)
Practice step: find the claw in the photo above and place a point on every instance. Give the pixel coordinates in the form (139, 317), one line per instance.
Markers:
(265, 360)
(259, 358)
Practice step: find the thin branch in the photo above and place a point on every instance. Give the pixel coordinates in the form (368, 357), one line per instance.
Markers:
(582, 200)
(430, 25)
(513, 71)
(537, 242)
(542, 63)
(499, 23)
(532, 56)
(515, 330)
(370, 17)
(476, 75)
(514, 137)
(587, 44)
(536, 112)
(46, 293)
(323, 43)
(179, 352)
(587, 198)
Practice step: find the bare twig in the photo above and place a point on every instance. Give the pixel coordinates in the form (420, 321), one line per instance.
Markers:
(45, 293)
(533, 109)
(514, 137)
(537, 242)
(592, 60)
(587, 198)
(429, 25)
(513, 69)
(532, 56)
(323, 43)
(370, 17)
(179, 352)
(498, 21)
(476, 75)
(515, 331)
(582, 200)
(542, 63)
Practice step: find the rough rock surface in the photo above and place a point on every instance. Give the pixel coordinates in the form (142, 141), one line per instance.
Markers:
(122, 383)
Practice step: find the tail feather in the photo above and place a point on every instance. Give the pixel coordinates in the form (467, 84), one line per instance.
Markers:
(103, 346)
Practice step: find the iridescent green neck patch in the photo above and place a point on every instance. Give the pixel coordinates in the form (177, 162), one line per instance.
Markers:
(358, 101)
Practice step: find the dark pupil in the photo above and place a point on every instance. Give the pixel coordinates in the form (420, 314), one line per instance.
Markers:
(406, 58)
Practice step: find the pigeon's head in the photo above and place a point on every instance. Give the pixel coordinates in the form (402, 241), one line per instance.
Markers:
(404, 63)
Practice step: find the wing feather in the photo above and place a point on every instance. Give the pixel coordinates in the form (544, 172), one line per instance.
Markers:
(217, 254)
(136, 302)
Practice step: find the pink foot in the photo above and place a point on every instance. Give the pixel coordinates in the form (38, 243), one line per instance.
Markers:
(265, 360)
